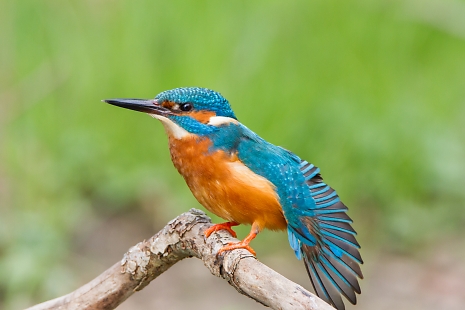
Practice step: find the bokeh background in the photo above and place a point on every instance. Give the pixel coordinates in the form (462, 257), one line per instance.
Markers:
(371, 91)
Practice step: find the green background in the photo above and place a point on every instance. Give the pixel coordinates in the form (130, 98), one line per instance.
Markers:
(373, 92)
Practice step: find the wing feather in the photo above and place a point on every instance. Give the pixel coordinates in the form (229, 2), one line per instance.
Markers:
(319, 228)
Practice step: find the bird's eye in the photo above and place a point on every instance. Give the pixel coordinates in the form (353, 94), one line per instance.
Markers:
(186, 107)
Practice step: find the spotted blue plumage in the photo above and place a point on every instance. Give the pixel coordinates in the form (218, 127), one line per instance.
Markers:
(201, 98)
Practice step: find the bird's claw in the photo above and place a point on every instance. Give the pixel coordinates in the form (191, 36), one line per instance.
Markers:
(222, 226)
(236, 245)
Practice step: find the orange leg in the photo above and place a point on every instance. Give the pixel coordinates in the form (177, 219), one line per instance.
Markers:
(244, 244)
(222, 226)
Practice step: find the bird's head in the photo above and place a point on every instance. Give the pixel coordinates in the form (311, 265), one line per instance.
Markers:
(183, 111)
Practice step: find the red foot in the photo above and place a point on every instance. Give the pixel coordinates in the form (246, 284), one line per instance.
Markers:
(222, 226)
(237, 245)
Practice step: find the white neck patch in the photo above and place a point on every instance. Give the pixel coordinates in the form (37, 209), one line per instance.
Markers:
(172, 128)
(221, 120)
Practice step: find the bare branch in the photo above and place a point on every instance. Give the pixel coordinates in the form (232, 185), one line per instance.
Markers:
(184, 237)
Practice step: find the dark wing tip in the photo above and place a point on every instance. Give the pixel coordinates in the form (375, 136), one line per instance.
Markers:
(332, 277)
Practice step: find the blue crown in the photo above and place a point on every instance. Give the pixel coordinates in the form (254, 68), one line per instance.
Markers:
(201, 98)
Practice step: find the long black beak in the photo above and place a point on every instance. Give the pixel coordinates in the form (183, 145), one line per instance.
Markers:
(142, 105)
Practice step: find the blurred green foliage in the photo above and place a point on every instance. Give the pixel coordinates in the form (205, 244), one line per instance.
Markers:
(371, 91)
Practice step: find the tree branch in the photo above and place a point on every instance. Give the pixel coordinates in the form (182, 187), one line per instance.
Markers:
(180, 238)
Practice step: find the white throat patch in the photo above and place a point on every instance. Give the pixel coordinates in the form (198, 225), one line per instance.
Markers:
(171, 128)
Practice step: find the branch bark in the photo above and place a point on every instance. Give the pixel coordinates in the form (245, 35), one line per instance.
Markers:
(181, 238)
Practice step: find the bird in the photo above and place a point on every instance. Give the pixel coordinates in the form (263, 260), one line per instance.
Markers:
(244, 179)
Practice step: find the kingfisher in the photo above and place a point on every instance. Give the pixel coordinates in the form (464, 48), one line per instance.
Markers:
(244, 179)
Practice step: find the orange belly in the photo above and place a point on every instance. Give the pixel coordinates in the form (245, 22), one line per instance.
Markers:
(225, 186)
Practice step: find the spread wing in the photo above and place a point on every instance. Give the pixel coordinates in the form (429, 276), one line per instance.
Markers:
(333, 265)
(319, 229)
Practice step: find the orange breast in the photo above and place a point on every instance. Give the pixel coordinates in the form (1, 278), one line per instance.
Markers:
(225, 186)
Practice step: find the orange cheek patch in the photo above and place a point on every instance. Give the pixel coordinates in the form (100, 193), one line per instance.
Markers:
(202, 116)
(168, 104)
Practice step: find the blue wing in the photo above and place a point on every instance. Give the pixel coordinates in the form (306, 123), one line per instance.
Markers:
(319, 229)
(333, 265)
